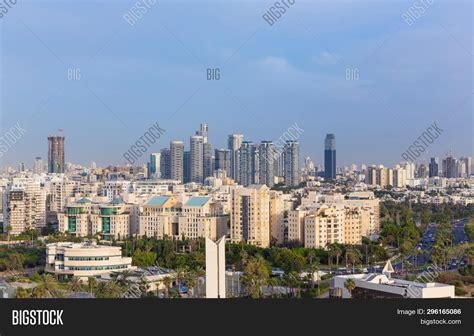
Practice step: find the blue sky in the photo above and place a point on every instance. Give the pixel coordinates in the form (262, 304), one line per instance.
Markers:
(271, 76)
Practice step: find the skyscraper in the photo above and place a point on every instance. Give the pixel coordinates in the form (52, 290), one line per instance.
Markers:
(203, 131)
(223, 160)
(249, 164)
(177, 157)
(197, 158)
(56, 153)
(165, 163)
(449, 167)
(433, 167)
(330, 157)
(208, 166)
(233, 144)
(154, 164)
(39, 166)
(187, 166)
(292, 168)
(267, 156)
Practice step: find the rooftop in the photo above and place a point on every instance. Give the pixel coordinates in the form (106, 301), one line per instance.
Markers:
(198, 201)
(158, 200)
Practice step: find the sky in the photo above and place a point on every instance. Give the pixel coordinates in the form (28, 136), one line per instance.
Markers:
(353, 68)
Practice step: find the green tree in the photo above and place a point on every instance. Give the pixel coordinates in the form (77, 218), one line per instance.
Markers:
(48, 287)
(75, 285)
(91, 285)
(350, 285)
(144, 258)
(14, 263)
(23, 293)
(256, 274)
(109, 290)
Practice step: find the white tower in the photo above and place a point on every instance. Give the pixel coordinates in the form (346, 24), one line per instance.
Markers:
(215, 268)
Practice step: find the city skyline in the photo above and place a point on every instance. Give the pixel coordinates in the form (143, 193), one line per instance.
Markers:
(294, 71)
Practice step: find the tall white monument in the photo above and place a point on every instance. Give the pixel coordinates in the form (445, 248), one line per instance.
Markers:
(215, 268)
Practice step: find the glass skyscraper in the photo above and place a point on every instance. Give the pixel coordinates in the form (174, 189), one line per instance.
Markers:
(330, 157)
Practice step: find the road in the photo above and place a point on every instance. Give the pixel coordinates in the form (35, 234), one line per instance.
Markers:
(427, 240)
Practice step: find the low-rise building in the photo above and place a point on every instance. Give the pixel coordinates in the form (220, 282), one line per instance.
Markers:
(83, 260)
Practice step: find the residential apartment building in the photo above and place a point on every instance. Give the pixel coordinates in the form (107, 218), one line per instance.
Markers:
(250, 215)
(198, 220)
(24, 205)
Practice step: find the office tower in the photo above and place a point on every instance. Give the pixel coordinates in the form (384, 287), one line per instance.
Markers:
(215, 269)
(330, 157)
(309, 166)
(187, 166)
(233, 144)
(203, 131)
(222, 157)
(21, 167)
(422, 170)
(154, 164)
(460, 168)
(56, 153)
(292, 168)
(249, 215)
(468, 165)
(449, 167)
(177, 157)
(434, 167)
(208, 161)
(249, 164)
(165, 163)
(267, 155)
(197, 158)
(280, 164)
(39, 166)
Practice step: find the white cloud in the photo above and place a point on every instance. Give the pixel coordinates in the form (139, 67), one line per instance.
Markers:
(325, 58)
(277, 63)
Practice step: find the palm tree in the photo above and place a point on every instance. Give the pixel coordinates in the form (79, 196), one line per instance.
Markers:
(91, 284)
(272, 283)
(23, 293)
(353, 256)
(335, 251)
(167, 281)
(350, 285)
(191, 282)
(75, 285)
(109, 289)
(311, 256)
(47, 287)
(199, 272)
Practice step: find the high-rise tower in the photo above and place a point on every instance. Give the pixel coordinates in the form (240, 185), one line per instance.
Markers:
(56, 153)
(330, 157)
